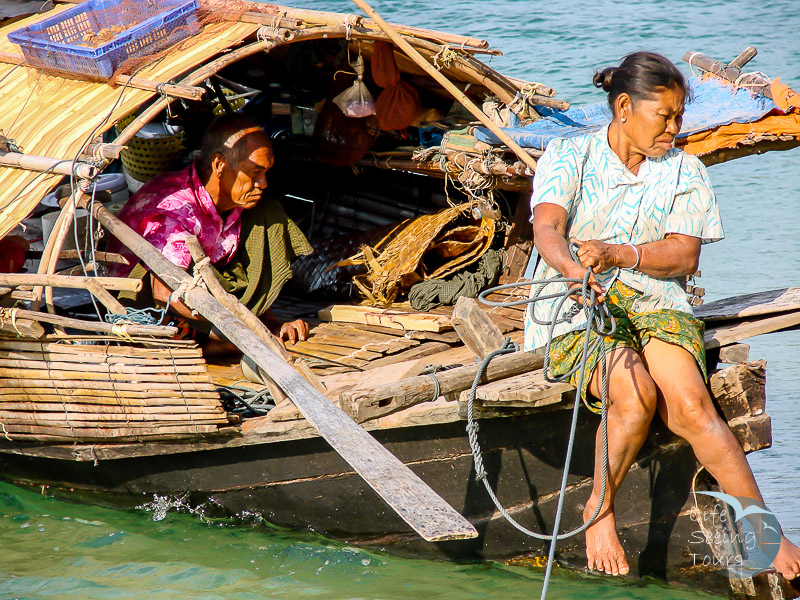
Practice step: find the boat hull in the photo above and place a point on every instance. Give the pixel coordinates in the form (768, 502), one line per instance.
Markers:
(304, 483)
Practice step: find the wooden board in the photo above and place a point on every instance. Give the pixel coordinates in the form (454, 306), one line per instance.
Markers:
(411, 498)
(369, 315)
(724, 335)
(475, 328)
(750, 305)
(528, 390)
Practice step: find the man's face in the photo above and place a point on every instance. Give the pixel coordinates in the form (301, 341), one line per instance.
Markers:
(242, 184)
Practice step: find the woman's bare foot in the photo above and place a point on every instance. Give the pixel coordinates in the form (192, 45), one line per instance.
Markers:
(788, 560)
(603, 549)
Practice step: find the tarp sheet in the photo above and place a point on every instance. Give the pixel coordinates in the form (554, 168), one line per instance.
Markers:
(712, 104)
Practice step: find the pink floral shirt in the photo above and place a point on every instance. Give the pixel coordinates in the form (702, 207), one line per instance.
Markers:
(169, 208)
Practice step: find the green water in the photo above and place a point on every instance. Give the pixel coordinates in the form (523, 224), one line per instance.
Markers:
(53, 550)
(50, 549)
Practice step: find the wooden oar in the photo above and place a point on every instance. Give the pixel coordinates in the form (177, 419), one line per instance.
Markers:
(446, 84)
(416, 503)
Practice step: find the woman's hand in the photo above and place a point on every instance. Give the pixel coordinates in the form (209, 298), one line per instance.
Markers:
(598, 255)
(576, 271)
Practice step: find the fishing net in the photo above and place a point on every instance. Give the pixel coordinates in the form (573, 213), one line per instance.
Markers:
(428, 247)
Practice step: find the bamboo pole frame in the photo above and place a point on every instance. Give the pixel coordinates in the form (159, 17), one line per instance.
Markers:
(445, 83)
(169, 89)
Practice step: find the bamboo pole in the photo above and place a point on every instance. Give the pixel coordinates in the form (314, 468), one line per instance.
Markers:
(44, 164)
(331, 19)
(445, 83)
(110, 409)
(169, 89)
(104, 351)
(113, 305)
(193, 78)
(70, 281)
(47, 264)
(130, 329)
(102, 150)
(223, 61)
(730, 73)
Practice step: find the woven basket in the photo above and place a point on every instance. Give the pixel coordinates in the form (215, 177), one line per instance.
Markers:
(144, 158)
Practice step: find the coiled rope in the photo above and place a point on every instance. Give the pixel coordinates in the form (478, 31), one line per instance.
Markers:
(598, 320)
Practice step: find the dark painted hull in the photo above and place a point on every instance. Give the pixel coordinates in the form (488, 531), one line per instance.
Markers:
(303, 483)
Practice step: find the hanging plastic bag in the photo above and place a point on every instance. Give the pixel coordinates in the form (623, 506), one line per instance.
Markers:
(356, 101)
(341, 141)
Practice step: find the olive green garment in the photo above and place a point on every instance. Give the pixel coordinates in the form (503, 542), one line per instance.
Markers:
(269, 242)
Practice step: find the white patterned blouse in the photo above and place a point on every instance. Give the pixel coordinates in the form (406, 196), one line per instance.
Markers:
(605, 201)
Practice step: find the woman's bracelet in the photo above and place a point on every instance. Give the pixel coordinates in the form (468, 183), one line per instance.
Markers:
(638, 257)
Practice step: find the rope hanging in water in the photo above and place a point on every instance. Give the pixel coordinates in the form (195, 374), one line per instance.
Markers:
(598, 320)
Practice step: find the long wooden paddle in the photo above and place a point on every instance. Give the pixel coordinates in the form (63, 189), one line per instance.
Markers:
(411, 498)
(446, 84)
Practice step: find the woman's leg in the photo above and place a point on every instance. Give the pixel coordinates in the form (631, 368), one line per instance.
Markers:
(686, 407)
(632, 404)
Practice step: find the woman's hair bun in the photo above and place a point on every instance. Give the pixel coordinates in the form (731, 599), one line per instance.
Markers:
(602, 79)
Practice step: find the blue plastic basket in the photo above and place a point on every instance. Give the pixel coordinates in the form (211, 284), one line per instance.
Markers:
(55, 43)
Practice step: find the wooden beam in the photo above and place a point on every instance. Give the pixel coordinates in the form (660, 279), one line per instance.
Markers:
(71, 282)
(734, 354)
(21, 327)
(381, 400)
(730, 73)
(405, 492)
(740, 390)
(232, 303)
(475, 328)
(745, 56)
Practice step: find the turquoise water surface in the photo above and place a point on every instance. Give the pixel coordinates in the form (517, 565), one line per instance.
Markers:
(55, 550)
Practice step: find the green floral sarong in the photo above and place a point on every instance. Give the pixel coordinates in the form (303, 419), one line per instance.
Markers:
(634, 330)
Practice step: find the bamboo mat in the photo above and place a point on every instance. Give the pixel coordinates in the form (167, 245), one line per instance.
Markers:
(336, 347)
(52, 391)
(51, 116)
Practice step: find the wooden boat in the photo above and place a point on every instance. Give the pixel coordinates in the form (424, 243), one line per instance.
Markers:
(119, 417)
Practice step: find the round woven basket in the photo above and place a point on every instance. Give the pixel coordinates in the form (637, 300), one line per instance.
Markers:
(144, 158)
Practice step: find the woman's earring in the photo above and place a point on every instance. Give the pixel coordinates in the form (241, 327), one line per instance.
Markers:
(624, 119)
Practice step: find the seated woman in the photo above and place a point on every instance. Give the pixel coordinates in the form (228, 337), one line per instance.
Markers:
(639, 210)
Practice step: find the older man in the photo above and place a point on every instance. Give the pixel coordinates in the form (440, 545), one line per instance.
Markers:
(218, 198)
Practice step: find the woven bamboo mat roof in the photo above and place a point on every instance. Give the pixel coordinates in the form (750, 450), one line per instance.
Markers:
(51, 116)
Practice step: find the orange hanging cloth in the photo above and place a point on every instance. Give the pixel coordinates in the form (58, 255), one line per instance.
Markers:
(398, 105)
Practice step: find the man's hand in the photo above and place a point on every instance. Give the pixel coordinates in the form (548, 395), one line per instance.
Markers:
(293, 331)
